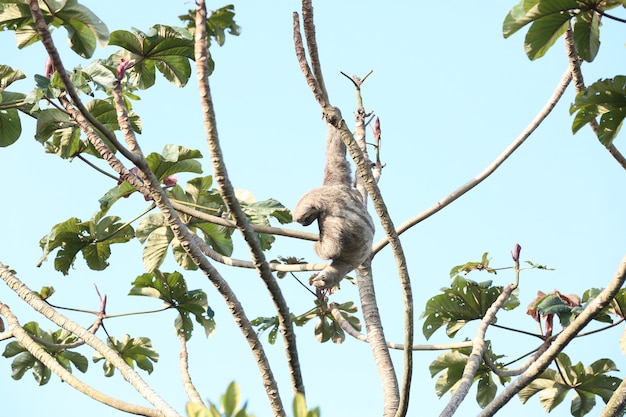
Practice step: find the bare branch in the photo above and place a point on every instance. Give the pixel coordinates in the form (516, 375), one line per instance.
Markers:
(304, 65)
(541, 116)
(311, 42)
(190, 388)
(241, 220)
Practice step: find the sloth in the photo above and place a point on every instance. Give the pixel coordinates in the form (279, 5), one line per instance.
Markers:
(346, 229)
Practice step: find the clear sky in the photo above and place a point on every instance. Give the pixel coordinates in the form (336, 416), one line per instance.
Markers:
(451, 94)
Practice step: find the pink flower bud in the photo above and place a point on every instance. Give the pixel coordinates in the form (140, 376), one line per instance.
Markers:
(122, 67)
(170, 180)
(515, 253)
(376, 128)
(49, 68)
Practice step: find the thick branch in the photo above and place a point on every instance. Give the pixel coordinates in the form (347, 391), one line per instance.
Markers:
(560, 342)
(241, 220)
(534, 124)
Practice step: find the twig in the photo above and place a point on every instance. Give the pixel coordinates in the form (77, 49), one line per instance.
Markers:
(541, 116)
(519, 370)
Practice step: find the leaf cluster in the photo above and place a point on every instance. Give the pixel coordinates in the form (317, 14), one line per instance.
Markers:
(172, 289)
(136, 350)
(24, 360)
(326, 327)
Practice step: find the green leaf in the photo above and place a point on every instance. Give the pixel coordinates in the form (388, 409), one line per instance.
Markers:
(299, 405)
(25, 360)
(527, 11)
(84, 28)
(199, 410)
(163, 47)
(137, 350)
(9, 75)
(543, 33)
(10, 127)
(215, 237)
(587, 34)
(464, 301)
(604, 98)
(230, 400)
(174, 159)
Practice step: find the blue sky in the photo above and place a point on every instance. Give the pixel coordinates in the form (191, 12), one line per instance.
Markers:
(451, 94)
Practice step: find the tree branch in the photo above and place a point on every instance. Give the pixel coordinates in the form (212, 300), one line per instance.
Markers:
(241, 220)
(190, 388)
(541, 116)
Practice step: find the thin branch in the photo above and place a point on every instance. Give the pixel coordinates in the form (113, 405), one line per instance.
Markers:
(241, 220)
(190, 388)
(601, 12)
(218, 257)
(109, 354)
(541, 116)
(519, 370)
(318, 93)
(279, 231)
(44, 357)
(478, 349)
(311, 42)
(347, 327)
(560, 342)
